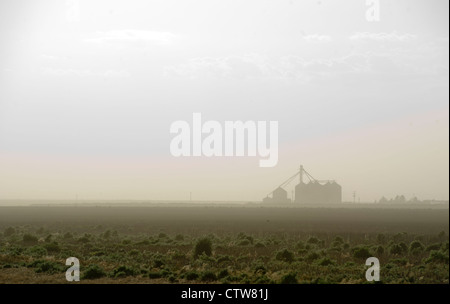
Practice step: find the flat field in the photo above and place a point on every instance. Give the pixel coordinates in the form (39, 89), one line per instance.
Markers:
(222, 244)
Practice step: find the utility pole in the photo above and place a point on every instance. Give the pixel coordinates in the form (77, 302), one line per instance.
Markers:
(354, 197)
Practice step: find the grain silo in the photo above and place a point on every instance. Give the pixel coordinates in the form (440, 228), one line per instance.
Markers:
(333, 193)
(314, 191)
(279, 197)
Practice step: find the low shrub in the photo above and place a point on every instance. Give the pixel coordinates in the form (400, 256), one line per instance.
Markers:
(416, 246)
(155, 275)
(313, 240)
(52, 247)
(208, 276)
(223, 273)
(48, 267)
(437, 257)
(290, 278)
(435, 246)
(36, 251)
(396, 249)
(29, 239)
(191, 275)
(325, 262)
(93, 272)
(312, 256)
(285, 256)
(124, 271)
(9, 231)
(361, 252)
(203, 246)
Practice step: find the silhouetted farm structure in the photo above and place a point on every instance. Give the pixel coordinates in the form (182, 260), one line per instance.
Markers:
(311, 192)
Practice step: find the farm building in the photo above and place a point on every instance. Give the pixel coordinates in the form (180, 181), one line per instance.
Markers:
(313, 192)
(279, 196)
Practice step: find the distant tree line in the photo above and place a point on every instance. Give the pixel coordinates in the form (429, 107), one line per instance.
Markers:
(401, 199)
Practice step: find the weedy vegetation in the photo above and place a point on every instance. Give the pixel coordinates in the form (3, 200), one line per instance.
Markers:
(248, 250)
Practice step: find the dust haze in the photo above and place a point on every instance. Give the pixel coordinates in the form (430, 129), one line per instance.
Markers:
(359, 158)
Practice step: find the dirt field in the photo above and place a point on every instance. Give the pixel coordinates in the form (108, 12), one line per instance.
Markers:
(222, 244)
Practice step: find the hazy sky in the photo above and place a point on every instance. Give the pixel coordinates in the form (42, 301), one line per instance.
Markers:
(88, 90)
